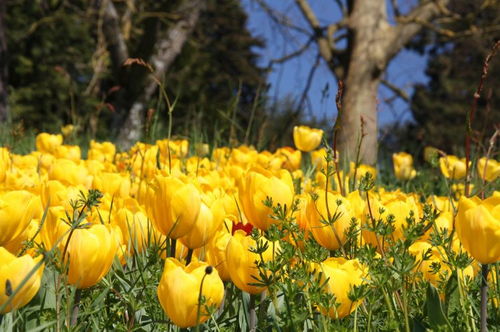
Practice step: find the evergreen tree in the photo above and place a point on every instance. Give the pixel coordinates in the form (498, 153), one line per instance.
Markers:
(454, 70)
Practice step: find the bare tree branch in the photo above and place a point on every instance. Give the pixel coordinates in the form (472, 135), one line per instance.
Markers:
(410, 24)
(115, 43)
(293, 54)
(168, 47)
(323, 43)
(397, 90)
(281, 19)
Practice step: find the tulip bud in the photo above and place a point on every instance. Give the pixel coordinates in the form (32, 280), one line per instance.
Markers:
(329, 216)
(180, 288)
(307, 139)
(259, 186)
(90, 252)
(452, 167)
(48, 143)
(488, 169)
(478, 227)
(13, 270)
(17, 208)
(342, 276)
(173, 205)
(241, 262)
(403, 166)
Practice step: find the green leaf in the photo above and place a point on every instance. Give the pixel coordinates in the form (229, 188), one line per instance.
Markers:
(435, 312)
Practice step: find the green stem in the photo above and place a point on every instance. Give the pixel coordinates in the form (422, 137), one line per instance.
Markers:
(484, 297)
(76, 309)
(173, 244)
(189, 256)
(252, 324)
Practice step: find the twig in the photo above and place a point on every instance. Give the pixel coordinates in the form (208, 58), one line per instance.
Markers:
(472, 112)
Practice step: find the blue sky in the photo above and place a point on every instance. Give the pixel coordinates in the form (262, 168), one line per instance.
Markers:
(289, 79)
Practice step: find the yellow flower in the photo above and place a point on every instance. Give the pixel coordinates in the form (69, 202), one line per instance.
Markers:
(216, 253)
(430, 153)
(291, 158)
(398, 206)
(13, 270)
(241, 262)
(208, 222)
(330, 208)
(478, 227)
(48, 143)
(306, 139)
(179, 291)
(452, 167)
(173, 206)
(17, 208)
(342, 276)
(260, 185)
(5, 163)
(403, 166)
(67, 130)
(70, 173)
(361, 171)
(70, 152)
(91, 252)
(102, 152)
(488, 169)
(115, 184)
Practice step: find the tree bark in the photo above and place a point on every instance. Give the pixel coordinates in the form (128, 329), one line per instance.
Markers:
(367, 62)
(4, 111)
(168, 47)
(371, 44)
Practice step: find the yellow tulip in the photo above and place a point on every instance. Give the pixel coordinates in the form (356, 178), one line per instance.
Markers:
(67, 130)
(361, 171)
(307, 139)
(179, 291)
(5, 163)
(54, 228)
(209, 220)
(216, 253)
(90, 252)
(16, 245)
(403, 166)
(452, 167)
(488, 169)
(17, 208)
(400, 206)
(291, 158)
(259, 185)
(70, 152)
(135, 228)
(54, 193)
(114, 184)
(70, 173)
(241, 262)
(329, 207)
(478, 227)
(13, 270)
(342, 276)
(418, 249)
(173, 206)
(102, 152)
(48, 143)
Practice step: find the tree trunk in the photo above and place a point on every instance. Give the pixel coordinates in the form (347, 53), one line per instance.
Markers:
(367, 62)
(4, 112)
(168, 47)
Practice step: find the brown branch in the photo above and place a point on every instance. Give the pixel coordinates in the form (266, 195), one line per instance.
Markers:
(472, 112)
(323, 44)
(409, 25)
(293, 54)
(167, 47)
(397, 91)
(115, 43)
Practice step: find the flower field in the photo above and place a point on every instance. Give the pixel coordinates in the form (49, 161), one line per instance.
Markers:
(180, 235)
